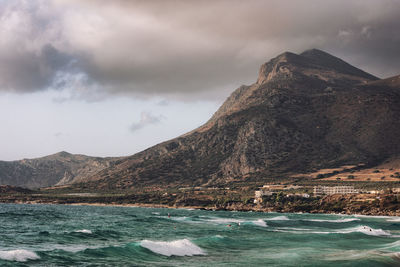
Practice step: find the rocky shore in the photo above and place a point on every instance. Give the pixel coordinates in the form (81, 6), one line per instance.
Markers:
(383, 205)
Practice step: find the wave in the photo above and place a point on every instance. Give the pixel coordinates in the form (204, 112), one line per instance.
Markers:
(351, 255)
(395, 256)
(21, 255)
(260, 222)
(226, 220)
(359, 229)
(334, 221)
(372, 216)
(85, 231)
(182, 247)
(365, 230)
(74, 248)
(393, 245)
(394, 220)
(278, 218)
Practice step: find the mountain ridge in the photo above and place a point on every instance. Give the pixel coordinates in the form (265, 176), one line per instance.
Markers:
(300, 114)
(57, 169)
(304, 112)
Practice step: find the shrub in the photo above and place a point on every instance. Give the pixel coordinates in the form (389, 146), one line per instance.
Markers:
(376, 171)
(350, 177)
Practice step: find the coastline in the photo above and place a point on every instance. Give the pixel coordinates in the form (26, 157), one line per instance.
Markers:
(227, 208)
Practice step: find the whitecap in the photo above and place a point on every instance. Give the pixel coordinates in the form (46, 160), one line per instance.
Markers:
(85, 231)
(394, 220)
(360, 229)
(278, 218)
(21, 255)
(334, 221)
(365, 230)
(260, 222)
(182, 247)
(372, 216)
(226, 220)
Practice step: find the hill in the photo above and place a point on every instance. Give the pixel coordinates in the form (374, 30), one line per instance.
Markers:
(58, 169)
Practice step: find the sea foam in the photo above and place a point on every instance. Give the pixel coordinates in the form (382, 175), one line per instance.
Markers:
(359, 229)
(334, 221)
(226, 220)
(260, 223)
(21, 255)
(394, 220)
(365, 230)
(85, 231)
(182, 247)
(278, 218)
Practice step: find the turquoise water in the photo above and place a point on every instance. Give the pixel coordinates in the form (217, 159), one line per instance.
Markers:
(57, 235)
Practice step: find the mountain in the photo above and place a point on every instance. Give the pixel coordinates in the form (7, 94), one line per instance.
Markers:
(305, 112)
(58, 169)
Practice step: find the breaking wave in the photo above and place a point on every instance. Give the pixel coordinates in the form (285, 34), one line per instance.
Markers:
(85, 231)
(334, 221)
(20, 255)
(226, 220)
(278, 218)
(182, 247)
(393, 220)
(370, 231)
(359, 229)
(260, 223)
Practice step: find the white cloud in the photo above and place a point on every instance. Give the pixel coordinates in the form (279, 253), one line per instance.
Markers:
(146, 119)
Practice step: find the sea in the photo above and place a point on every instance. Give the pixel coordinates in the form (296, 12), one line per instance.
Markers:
(64, 235)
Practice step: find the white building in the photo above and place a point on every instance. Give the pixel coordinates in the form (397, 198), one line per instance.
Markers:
(330, 190)
(259, 194)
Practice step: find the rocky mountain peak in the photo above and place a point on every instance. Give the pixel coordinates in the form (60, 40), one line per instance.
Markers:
(312, 63)
(63, 154)
(279, 65)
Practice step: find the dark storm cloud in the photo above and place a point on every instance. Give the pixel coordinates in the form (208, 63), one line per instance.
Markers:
(183, 48)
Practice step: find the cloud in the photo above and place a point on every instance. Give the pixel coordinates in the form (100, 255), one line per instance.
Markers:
(146, 119)
(182, 49)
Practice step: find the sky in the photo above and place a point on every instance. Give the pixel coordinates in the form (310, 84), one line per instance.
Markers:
(111, 78)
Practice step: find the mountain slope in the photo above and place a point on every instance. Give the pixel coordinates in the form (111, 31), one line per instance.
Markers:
(306, 111)
(58, 169)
